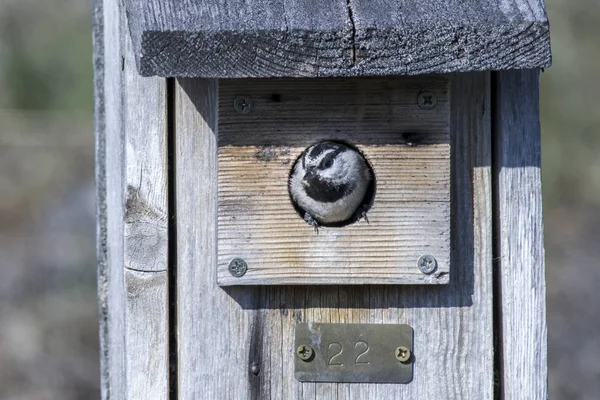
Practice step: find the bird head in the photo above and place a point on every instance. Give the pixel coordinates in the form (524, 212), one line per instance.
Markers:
(329, 162)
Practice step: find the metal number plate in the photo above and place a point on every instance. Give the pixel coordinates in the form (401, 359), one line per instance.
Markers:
(354, 353)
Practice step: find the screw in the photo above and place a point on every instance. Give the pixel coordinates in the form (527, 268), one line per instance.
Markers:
(427, 264)
(243, 104)
(427, 100)
(238, 267)
(403, 354)
(255, 369)
(305, 353)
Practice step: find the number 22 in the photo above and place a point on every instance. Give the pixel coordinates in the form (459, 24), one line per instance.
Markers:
(333, 360)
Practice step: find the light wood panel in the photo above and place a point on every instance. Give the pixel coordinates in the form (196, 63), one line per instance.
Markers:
(132, 205)
(407, 147)
(520, 240)
(223, 332)
(146, 236)
(109, 183)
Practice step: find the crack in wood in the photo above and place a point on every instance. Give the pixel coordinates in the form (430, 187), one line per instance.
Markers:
(353, 37)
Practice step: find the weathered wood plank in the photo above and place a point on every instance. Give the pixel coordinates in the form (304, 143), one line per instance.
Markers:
(222, 332)
(407, 147)
(109, 178)
(101, 195)
(303, 38)
(203, 315)
(146, 238)
(519, 232)
(146, 333)
(145, 118)
(286, 111)
(132, 234)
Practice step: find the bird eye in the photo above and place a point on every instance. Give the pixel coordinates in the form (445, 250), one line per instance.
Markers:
(327, 163)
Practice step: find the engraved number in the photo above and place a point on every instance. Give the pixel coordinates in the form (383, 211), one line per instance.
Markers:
(331, 360)
(365, 345)
(360, 358)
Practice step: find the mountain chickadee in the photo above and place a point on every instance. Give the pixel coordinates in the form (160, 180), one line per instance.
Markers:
(329, 183)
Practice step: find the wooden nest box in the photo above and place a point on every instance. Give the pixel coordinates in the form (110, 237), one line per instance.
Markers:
(213, 284)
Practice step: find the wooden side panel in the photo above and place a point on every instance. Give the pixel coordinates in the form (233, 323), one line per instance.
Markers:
(407, 147)
(146, 330)
(223, 333)
(133, 236)
(206, 357)
(146, 234)
(109, 181)
(520, 241)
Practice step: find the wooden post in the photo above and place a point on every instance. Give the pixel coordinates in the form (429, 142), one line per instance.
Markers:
(131, 154)
(520, 275)
(167, 327)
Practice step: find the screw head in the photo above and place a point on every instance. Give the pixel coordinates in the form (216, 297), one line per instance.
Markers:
(427, 264)
(238, 267)
(255, 369)
(304, 352)
(243, 104)
(427, 100)
(403, 354)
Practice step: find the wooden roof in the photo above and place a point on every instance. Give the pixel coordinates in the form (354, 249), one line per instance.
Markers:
(328, 38)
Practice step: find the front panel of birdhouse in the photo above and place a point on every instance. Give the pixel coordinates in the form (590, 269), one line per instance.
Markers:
(401, 126)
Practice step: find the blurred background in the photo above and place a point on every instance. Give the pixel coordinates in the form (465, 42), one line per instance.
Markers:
(48, 311)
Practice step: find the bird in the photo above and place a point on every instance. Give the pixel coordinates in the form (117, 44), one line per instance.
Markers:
(329, 184)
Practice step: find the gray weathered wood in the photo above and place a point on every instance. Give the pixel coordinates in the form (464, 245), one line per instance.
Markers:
(519, 231)
(146, 238)
(132, 206)
(294, 38)
(109, 167)
(101, 195)
(407, 147)
(221, 332)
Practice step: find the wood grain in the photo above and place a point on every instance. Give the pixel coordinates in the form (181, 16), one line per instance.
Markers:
(145, 234)
(304, 38)
(145, 119)
(222, 332)
(407, 147)
(109, 178)
(520, 240)
(146, 335)
(132, 234)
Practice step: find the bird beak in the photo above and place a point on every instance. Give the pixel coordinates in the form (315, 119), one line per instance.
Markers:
(309, 174)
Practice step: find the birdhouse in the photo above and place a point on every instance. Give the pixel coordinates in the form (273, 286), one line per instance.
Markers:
(336, 199)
